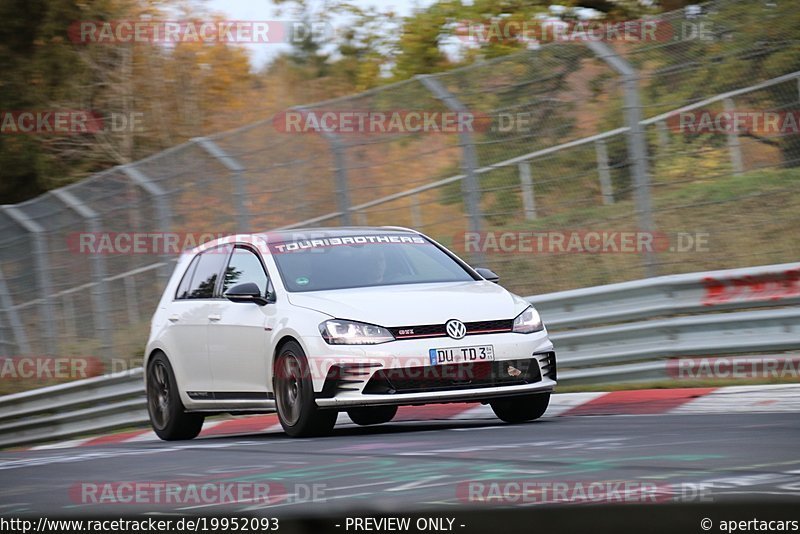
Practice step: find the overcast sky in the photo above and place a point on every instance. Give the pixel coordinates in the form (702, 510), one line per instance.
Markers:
(264, 10)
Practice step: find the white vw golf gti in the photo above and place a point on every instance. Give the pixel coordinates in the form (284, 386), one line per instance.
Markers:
(310, 323)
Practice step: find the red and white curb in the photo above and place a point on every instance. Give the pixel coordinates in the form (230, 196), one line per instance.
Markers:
(736, 399)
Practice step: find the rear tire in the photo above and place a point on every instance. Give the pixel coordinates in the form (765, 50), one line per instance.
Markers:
(168, 416)
(373, 415)
(521, 409)
(298, 413)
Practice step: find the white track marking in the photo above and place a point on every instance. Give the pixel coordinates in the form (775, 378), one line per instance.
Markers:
(62, 444)
(745, 399)
(422, 483)
(566, 401)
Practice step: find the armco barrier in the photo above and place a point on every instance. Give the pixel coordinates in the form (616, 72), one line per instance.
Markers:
(713, 291)
(76, 408)
(604, 334)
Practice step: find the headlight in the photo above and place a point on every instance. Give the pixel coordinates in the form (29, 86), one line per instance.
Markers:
(528, 321)
(339, 332)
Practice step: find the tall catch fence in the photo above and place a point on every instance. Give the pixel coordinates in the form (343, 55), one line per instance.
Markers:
(571, 140)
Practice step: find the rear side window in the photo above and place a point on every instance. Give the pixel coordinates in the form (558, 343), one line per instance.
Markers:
(206, 273)
(183, 288)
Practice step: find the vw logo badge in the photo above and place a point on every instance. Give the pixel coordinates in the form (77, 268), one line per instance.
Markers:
(455, 329)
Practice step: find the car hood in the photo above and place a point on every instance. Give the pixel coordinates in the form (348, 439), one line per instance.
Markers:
(415, 304)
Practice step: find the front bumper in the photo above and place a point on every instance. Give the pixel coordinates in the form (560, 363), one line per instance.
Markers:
(466, 395)
(354, 376)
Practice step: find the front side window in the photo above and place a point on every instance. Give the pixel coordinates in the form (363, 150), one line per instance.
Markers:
(209, 267)
(245, 267)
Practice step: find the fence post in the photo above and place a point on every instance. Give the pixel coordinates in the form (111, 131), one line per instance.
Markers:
(342, 187)
(20, 338)
(68, 307)
(604, 171)
(237, 174)
(162, 211)
(41, 266)
(99, 291)
(734, 144)
(528, 196)
(4, 342)
(637, 143)
(469, 185)
(416, 213)
(340, 168)
(130, 297)
(663, 134)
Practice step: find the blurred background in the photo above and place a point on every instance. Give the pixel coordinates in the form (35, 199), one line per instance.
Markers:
(584, 135)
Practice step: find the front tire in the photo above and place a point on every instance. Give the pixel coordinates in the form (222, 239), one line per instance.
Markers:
(521, 409)
(168, 416)
(298, 413)
(374, 415)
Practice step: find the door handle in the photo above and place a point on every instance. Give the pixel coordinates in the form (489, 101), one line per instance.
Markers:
(174, 318)
(214, 317)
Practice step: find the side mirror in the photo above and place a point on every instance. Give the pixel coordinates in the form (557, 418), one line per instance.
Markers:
(488, 274)
(247, 292)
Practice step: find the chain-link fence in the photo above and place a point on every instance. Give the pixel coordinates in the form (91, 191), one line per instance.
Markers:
(576, 146)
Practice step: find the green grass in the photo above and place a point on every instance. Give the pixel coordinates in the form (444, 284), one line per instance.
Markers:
(752, 219)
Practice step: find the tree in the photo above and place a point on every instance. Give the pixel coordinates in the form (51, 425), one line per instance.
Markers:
(735, 45)
(172, 92)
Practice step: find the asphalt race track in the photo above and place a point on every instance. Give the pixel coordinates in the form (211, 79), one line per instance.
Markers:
(426, 466)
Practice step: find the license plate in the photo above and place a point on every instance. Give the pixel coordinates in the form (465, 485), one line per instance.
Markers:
(481, 353)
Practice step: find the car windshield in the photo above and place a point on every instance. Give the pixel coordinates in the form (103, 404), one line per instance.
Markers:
(363, 261)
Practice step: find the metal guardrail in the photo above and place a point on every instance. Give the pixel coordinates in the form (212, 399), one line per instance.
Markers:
(82, 407)
(604, 334)
(628, 331)
(730, 289)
